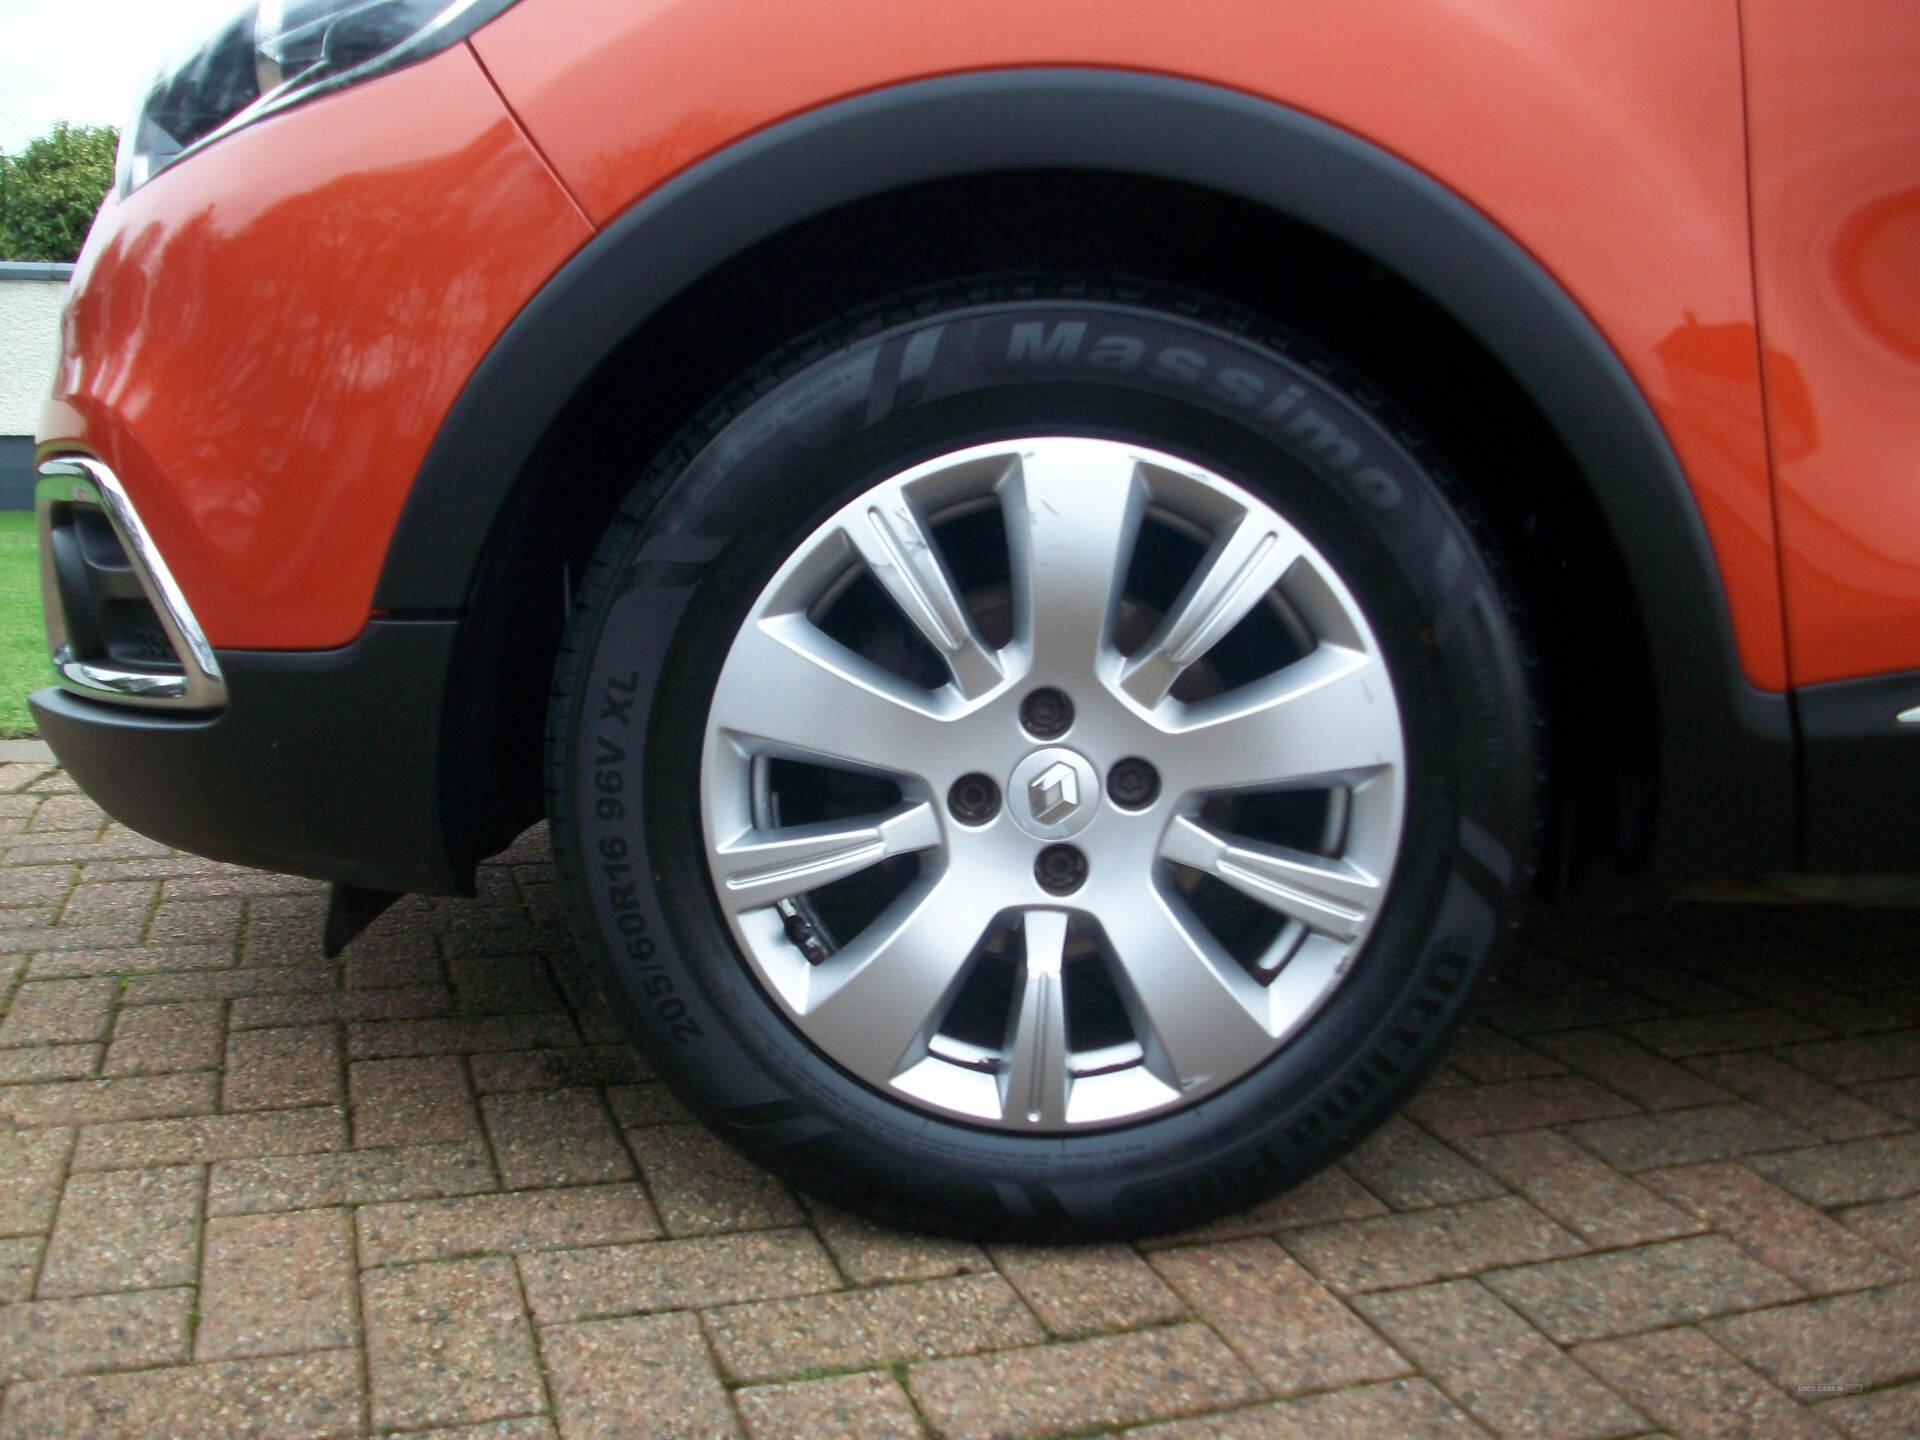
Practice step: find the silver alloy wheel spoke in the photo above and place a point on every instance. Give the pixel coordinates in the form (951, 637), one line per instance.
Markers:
(762, 866)
(1335, 897)
(1199, 1014)
(1234, 576)
(1330, 717)
(1071, 515)
(891, 537)
(813, 697)
(1033, 1081)
(874, 1003)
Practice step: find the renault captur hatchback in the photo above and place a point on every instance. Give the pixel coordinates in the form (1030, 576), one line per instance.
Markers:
(1057, 570)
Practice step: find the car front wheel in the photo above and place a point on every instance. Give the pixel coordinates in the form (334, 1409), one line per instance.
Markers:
(1043, 758)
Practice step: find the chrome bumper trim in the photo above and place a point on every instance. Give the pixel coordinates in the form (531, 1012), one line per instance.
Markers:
(200, 686)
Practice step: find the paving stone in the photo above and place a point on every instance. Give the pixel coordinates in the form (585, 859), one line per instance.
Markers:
(1330, 1194)
(1631, 1070)
(275, 1284)
(19, 1263)
(1503, 1370)
(554, 1137)
(383, 1039)
(1396, 1410)
(1291, 1333)
(124, 904)
(148, 959)
(1782, 1232)
(607, 1372)
(280, 1069)
(1893, 1225)
(325, 1008)
(567, 1285)
(703, 1186)
(868, 1253)
(49, 1062)
(200, 1138)
(1114, 1380)
(1896, 1097)
(1733, 1030)
(559, 1069)
(448, 1344)
(1425, 1245)
(1486, 1055)
(154, 1039)
(350, 1177)
(38, 885)
(68, 812)
(637, 1106)
(859, 1329)
(388, 967)
(856, 1407)
(295, 1397)
(1692, 1386)
(1862, 1339)
(1892, 1414)
(1410, 1170)
(1603, 1005)
(128, 1331)
(93, 1102)
(1683, 1137)
(229, 984)
(1514, 1105)
(124, 1230)
(1792, 990)
(1083, 1290)
(502, 984)
(1623, 1291)
(477, 1224)
(1850, 1173)
(32, 1169)
(1829, 1113)
(1861, 1058)
(1673, 987)
(196, 922)
(1584, 1194)
(412, 1101)
(525, 1427)
(19, 940)
(49, 1012)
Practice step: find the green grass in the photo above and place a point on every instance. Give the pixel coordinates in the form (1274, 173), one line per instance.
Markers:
(23, 639)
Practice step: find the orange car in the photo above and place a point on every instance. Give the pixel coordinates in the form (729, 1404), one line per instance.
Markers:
(1058, 568)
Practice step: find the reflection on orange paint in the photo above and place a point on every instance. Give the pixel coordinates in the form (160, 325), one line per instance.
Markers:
(266, 369)
(1835, 112)
(1876, 267)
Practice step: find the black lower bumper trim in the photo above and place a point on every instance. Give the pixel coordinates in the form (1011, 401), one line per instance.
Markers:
(1862, 774)
(324, 763)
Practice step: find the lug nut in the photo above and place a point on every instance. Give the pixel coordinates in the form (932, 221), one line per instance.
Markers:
(1133, 784)
(974, 799)
(1060, 869)
(1047, 713)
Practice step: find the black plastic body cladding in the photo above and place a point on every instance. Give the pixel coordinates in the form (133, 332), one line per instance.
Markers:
(1726, 799)
(325, 762)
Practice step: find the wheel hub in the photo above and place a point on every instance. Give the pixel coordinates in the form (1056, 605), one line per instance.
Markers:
(1055, 793)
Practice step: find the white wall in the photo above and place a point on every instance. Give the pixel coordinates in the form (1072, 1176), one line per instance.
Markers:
(30, 304)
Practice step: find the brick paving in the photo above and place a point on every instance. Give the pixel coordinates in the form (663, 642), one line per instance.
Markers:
(1667, 1183)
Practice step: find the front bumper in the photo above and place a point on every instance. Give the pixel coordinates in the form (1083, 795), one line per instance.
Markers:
(323, 763)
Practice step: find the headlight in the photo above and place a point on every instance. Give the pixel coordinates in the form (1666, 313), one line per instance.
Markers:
(277, 53)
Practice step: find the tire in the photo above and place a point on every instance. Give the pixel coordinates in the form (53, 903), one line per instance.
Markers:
(903, 930)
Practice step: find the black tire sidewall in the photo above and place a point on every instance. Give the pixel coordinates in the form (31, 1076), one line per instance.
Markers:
(813, 429)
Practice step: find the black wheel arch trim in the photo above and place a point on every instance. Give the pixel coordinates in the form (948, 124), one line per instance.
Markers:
(1726, 796)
